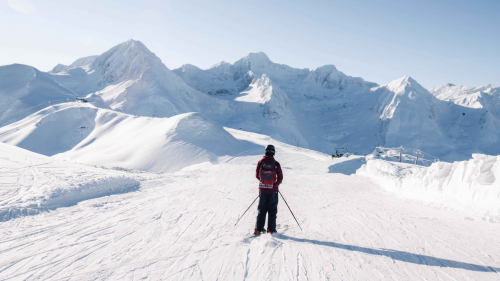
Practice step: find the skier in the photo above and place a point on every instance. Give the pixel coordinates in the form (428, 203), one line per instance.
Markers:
(270, 176)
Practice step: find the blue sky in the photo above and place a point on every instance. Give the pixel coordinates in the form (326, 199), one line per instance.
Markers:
(435, 42)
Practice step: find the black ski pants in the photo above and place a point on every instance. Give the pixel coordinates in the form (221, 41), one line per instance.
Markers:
(268, 204)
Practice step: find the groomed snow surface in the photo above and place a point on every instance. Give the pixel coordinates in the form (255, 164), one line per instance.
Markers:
(180, 226)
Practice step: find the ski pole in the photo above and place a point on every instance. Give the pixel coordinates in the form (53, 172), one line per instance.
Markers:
(246, 210)
(290, 210)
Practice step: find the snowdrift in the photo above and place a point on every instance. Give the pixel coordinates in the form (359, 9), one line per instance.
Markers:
(97, 136)
(471, 186)
(32, 183)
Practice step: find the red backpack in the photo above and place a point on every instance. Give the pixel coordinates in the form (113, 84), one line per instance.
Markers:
(267, 172)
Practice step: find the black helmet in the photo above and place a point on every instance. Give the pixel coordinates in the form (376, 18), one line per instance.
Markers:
(270, 149)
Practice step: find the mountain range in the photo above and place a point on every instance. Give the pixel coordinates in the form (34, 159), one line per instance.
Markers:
(322, 109)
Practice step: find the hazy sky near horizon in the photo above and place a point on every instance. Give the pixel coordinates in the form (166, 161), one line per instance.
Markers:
(434, 41)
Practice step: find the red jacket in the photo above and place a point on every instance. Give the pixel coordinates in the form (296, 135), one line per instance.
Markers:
(279, 174)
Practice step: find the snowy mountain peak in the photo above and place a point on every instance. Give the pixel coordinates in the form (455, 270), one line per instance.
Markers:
(58, 68)
(126, 61)
(326, 68)
(189, 67)
(83, 63)
(402, 93)
(132, 79)
(471, 97)
(127, 51)
(220, 64)
(259, 56)
(329, 77)
(133, 44)
(406, 85)
(254, 60)
(404, 80)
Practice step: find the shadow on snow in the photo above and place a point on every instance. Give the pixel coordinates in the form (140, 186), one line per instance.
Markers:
(399, 255)
(347, 167)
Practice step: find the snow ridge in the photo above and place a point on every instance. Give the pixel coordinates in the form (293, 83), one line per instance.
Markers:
(82, 132)
(469, 186)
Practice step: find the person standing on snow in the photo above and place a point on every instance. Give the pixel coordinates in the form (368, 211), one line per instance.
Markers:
(270, 176)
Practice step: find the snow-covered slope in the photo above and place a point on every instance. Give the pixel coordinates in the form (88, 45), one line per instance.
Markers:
(25, 90)
(42, 189)
(181, 226)
(471, 117)
(483, 97)
(154, 144)
(91, 135)
(131, 79)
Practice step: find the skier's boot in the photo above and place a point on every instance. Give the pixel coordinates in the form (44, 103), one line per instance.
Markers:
(258, 232)
(271, 231)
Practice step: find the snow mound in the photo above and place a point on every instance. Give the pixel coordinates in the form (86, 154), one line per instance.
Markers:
(35, 183)
(153, 144)
(96, 136)
(64, 194)
(25, 90)
(471, 186)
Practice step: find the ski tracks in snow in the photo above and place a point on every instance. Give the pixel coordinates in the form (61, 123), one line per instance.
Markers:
(180, 227)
